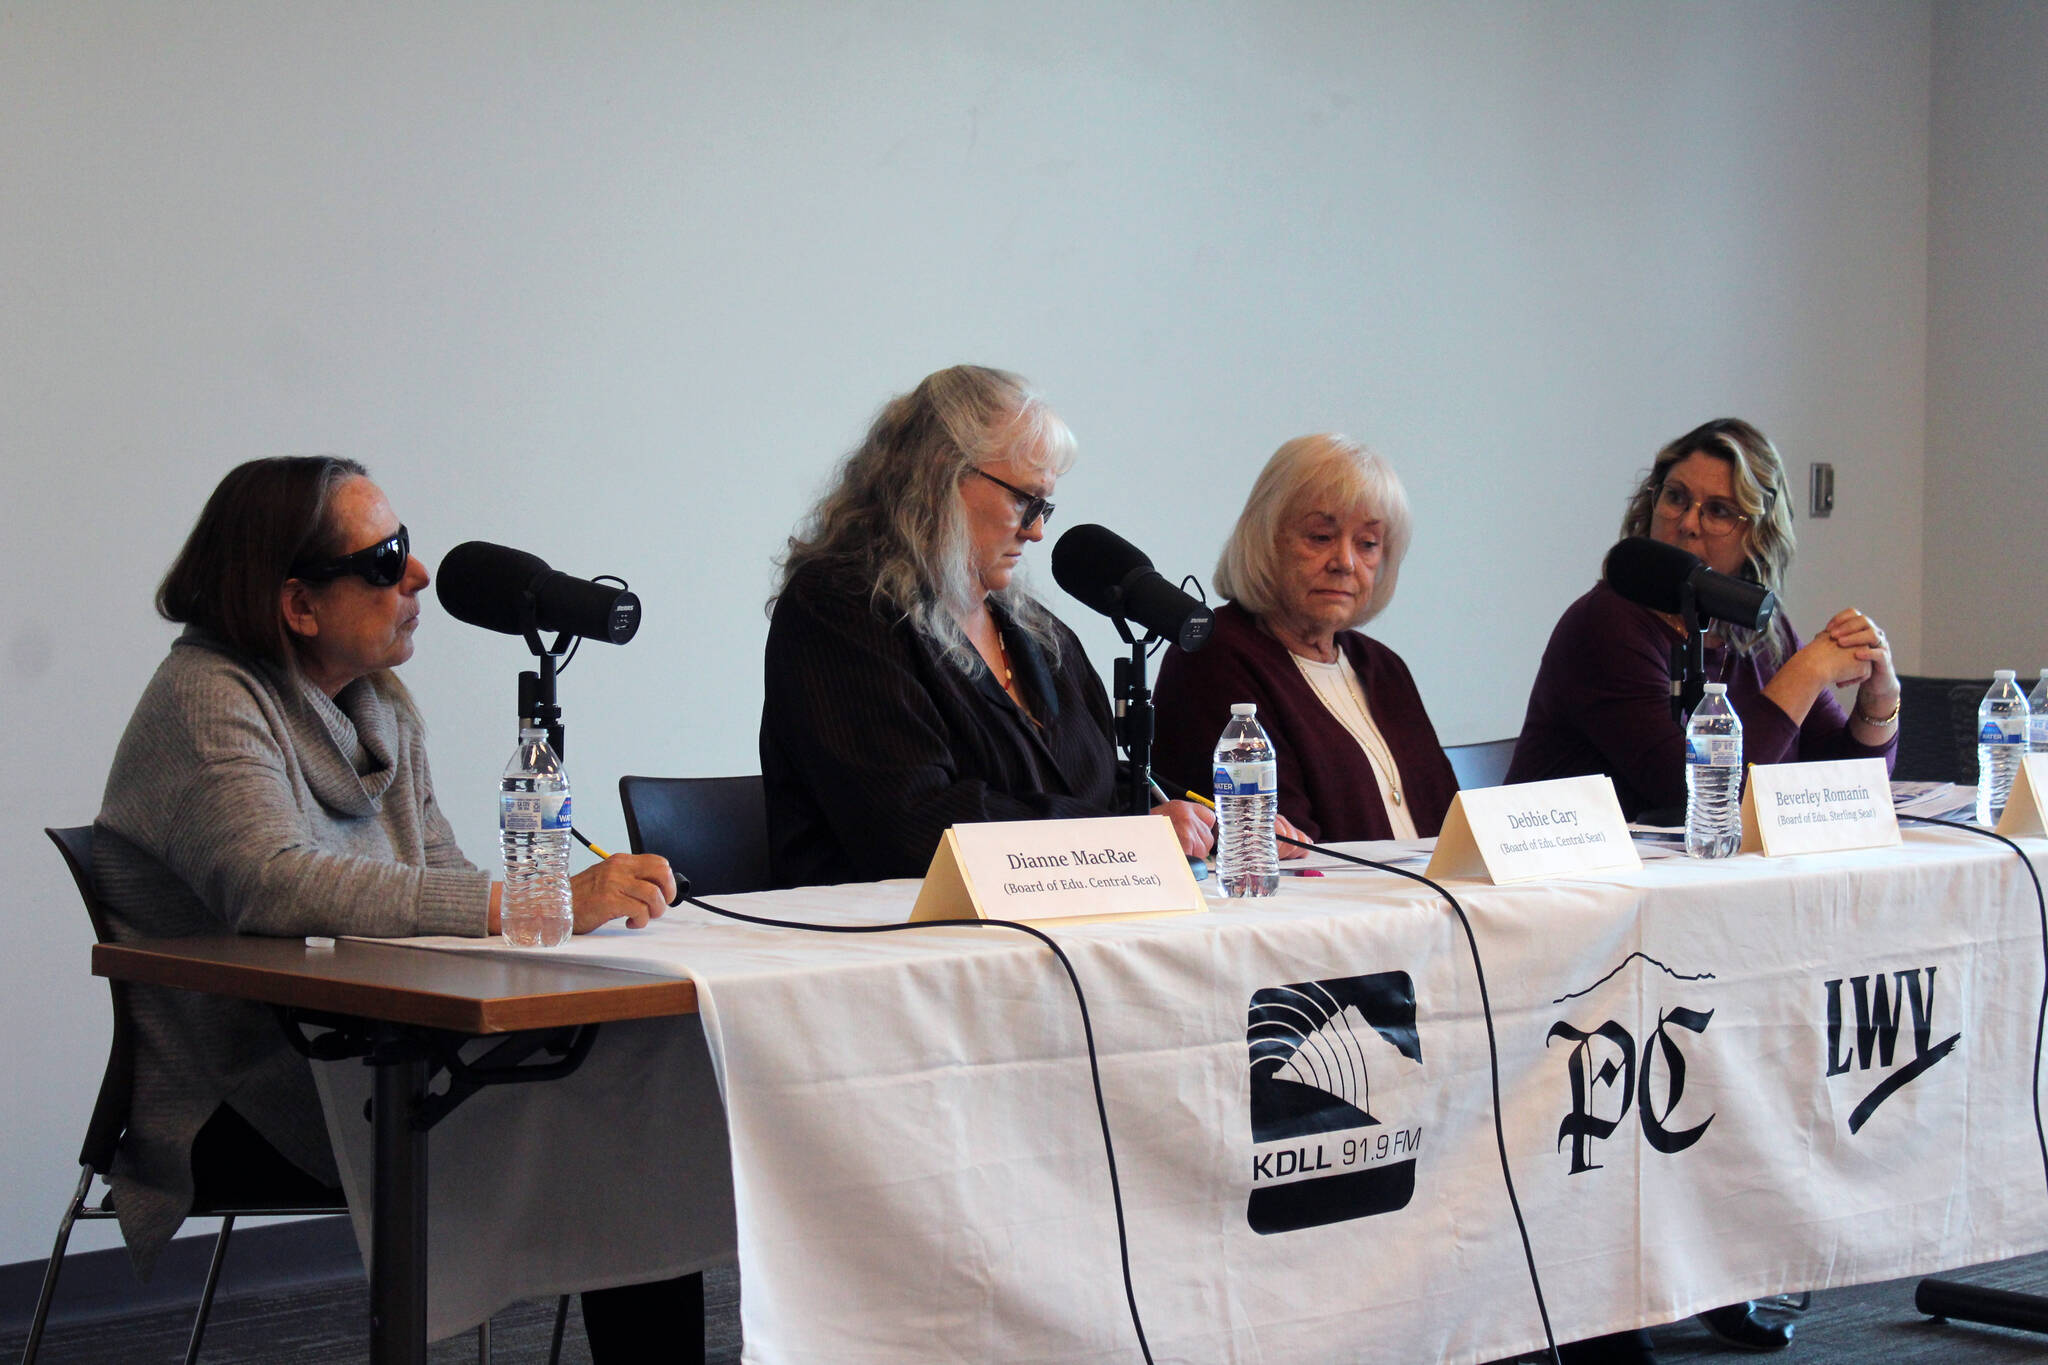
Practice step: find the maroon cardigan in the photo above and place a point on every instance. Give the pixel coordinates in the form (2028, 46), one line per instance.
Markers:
(1602, 704)
(1326, 784)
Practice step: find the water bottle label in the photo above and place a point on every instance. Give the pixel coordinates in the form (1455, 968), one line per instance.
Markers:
(534, 812)
(1247, 779)
(2038, 728)
(1714, 751)
(2003, 730)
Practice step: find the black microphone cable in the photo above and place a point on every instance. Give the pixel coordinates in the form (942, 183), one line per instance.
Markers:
(2041, 1015)
(1123, 1243)
(1500, 1140)
(1095, 1068)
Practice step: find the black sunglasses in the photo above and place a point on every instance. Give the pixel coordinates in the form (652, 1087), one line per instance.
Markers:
(1030, 506)
(382, 565)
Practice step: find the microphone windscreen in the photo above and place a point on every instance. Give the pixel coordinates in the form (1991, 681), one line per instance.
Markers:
(1165, 610)
(1092, 562)
(1649, 572)
(1737, 601)
(596, 611)
(482, 584)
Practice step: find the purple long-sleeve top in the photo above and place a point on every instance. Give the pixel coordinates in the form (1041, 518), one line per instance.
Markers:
(1327, 787)
(1602, 704)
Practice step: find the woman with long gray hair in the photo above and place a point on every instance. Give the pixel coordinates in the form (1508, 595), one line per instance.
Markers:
(912, 682)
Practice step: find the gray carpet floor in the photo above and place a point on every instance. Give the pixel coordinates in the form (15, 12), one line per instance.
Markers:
(332, 1323)
(1865, 1325)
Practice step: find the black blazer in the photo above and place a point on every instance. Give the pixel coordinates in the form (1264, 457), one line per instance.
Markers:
(872, 744)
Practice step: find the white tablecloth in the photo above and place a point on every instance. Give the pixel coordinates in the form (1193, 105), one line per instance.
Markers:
(615, 1174)
(918, 1176)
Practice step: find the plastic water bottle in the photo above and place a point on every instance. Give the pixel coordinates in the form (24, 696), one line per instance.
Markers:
(1247, 800)
(533, 829)
(2037, 716)
(2001, 744)
(1713, 777)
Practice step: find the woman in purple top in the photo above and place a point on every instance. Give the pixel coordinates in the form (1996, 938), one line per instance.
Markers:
(1315, 555)
(1602, 699)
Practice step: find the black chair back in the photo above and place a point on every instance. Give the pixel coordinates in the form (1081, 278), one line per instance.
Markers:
(110, 1110)
(1484, 764)
(75, 843)
(1938, 728)
(713, 830)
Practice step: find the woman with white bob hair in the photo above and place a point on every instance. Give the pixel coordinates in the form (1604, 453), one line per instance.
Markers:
(1316, 554)
(912, 682)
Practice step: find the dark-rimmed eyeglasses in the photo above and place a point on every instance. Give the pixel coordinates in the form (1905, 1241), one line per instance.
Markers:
(1718, 516)
(381, 565)
(1030, 506)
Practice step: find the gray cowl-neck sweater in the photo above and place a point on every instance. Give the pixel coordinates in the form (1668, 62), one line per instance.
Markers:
(242, 800)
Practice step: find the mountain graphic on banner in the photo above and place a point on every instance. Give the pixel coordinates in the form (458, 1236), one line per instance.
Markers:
(1313, 1045)
(1309, 1042)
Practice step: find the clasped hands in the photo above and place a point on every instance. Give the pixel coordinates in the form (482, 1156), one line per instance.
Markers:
(1848, 649)
(1851, 648)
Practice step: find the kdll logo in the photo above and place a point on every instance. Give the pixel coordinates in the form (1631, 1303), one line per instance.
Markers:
(1610, 1075)
(1881, 1004)
(1320, 1152)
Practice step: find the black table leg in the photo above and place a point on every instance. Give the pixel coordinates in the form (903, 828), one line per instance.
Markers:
(398, 1208)
(405, 1061)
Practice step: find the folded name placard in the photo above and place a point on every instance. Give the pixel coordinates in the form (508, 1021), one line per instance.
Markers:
(1818, 807)
(1536, 829)
(2026, 806)
(1059, 870)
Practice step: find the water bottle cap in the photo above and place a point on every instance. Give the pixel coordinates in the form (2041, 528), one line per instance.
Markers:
(1251, 708)
(1717, 689)
(2003, 675)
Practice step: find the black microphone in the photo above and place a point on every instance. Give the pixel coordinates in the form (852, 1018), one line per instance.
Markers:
(1650, 573)
(490, 585)
(1110, 574)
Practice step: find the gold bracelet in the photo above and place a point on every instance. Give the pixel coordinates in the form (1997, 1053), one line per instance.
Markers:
(1885, 719)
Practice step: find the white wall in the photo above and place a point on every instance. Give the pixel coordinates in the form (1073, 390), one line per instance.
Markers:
(618, 283)
(1987, 340)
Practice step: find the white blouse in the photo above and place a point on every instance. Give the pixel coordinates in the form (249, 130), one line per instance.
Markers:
(1338, 688)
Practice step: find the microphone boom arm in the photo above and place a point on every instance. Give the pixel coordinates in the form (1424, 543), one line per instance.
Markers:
(537, 688)
(1134, 718)
(1688, 657)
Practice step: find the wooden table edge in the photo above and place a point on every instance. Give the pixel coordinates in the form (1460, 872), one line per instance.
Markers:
(634, 995)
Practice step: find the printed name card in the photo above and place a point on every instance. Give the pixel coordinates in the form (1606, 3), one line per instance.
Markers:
(2026, 806)
(1535, 829)
(1036, 870)
(1818, 807)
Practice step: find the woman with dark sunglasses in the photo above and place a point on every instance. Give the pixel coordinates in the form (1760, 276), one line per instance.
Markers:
(273, 781)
